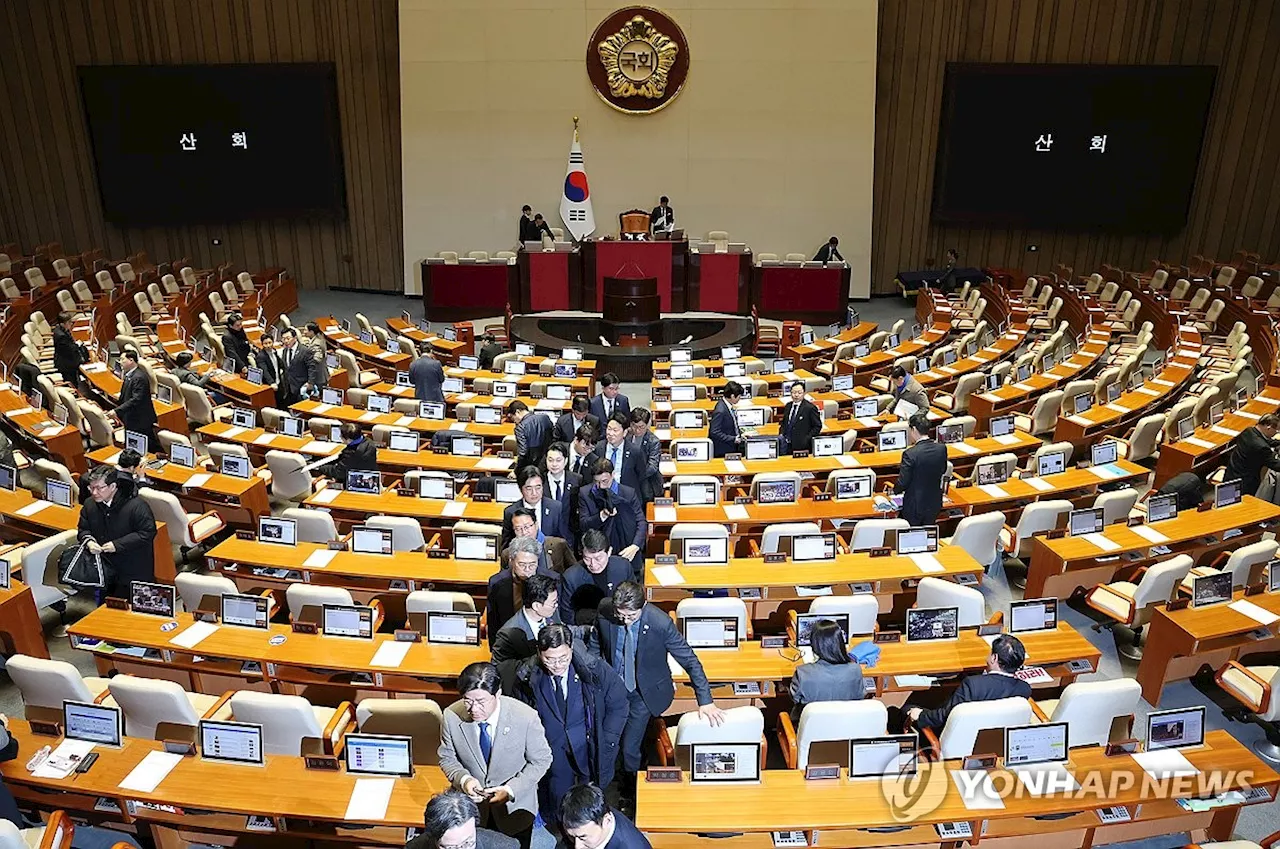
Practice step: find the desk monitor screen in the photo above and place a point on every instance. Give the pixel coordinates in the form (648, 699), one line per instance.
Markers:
(842, 383)
(5, 574)
(1051, 463)
(730, 352)
(330, 360)
(806, 621)
(811, 548)
(277, 531)
(1214, 588)
(403, 379)
(684, 393)
(1161, 507)
(378, 754)
(695, 492)
(1273, 576)
(379, 404)
(58, 492)
(247, 611)
(717, 763)
(430, 410)
(524, 349)
(566, 371)
(364, 482)
(486, 415)
(367, 540)
(558, 392)
(455, 628)
(1002, 426)
(750, 416)
(366, 337)
(1035, 744)
(918, 540)
(152, 599)
(734, 369)
(1136, 380)
(231, 742)
(762, 449)
(1186, 428)
(681, 355)
(875, 757)
(783, 366)
(8, 478)
(182, 455)
(932, 623)
(891, 440)
(136, 441)
(948, 434)
(1033, 614)
(292, 426)
(235, 466)
(466, 446)
(451, 385)
(866, 408)
(335, 434)
(1175, 729)
(571, 354)
(992, 383)
(1024, 371)
(253, 374)
(1113, 391)
(858, 486)
(1227, 493)
(1083, 402)
(330, 396)
(892, 341)
(165, 393)
(693, 450)
(949, 356)
(806, 337)
(687, 419)
(1104, 453)
(469, 363)
(400, 440)
(776, 492)
(831, 445)
(475, 547)
(506, 491)
(1215, 413)
(710, 632)
(441, 488)
(703, 551)
(1048, 362)
(503, 389)
(347, 620)
(92, 723)
(513, 367)
(993, 473)
(1158, 364)
(1081, 522)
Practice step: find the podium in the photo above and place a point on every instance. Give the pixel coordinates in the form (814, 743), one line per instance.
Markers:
(633, 308)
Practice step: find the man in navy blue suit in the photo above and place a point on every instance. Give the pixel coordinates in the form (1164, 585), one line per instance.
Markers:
(629, 463)
(547, 514)
(533, 433)
(584, 585)
(615, 509)
(726, 435)
(561, 486)
(517, 638)
(610, 400)
(587, 822)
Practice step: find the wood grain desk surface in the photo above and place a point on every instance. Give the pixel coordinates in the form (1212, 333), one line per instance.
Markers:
(876, 361)
(409, 565)
(1176, 372)
(998, 350)
(51, 516)
(803, 509)
(399, 325)
(821, 347)
(107, 384)
(1220, 435)
(1220, 620)
(1020, 488)
(175, 475)
(37, 424)
(1040, 382)
(581, 385)
(256, 437)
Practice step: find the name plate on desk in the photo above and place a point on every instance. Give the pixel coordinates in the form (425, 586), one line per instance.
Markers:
(664, 502)
(870, 449)
(989, 630)
(304, 627)
(773, 642)
(506, 455)
(337, 545)
(249, 535)
(406, 635)
(732, 457)
(205, 616)
(324, 762)
(664, 774)
(743, 499)
(117, 603)
(880, 552)
(822, 772)
(45, 729)
(1255, 589)
(1205, 507)
(819, 496)
(775, 557)
(799, 455)
(664, 560)
(482, 497)
(1178, 604)
(886, 636)
(437, 554)
(978, 762)
(406, 491)
(439, 449)
(185, 748)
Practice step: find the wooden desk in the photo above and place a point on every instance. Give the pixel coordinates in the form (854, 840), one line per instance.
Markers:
(1075, 484)
(468, 289)
(944, 378)
(1179, 642)
(355, 506)
(865, 368)
(104, 383)
(375, 358)
(450, 351)
(662, 368)
(808, 356)
(20, 631)
(1020, 396)
(1059, 566)
(1211, 443)
(258, 441)
(759, 515)
(240, 391)
(715, 384)
(36, 428)
(773, 403)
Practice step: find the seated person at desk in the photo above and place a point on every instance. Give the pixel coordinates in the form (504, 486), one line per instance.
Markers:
(517, 640)
(451, 821)
(998, 682)
(832, 677)
(906, 388)
(725, 432)
(615, 509)
(1253, 450)
(489, 348)
(506, 588)
(830, 252)
(185, 374)
(801, 421)
(579, 414)
(590, 823)
(610, 400)
(583, 454)
(924, 464)
(584, 585)
(359, 455)
(545, 513)
(630, 465)
(1190, 488)
(120, 526)
(533, 434)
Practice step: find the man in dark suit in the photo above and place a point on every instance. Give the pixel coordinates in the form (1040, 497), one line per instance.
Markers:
(663, 217)
(489, 348)
(830, 252)
(506, 588)
(610, 400)
(68, 354)
(268, 359)
(299, 371)
(533, 434)
(528, 232)
(119, 525)
(540, 605)
(525, 526)
(628, 463)
(561, 486)
(924, 464)
(451, 822)
(584, 585)
(427, 376)
(1190, 488)
(588, 821)
(998, 682)
(1252, 451)
(546, 513)
(947, 280)
(635, 639)
(582, 453)
(235, 342)
(579, 414)
(726, 435)
(646, 443)
(358, 455)
(615, 509)
(801, 421)
(135, 410)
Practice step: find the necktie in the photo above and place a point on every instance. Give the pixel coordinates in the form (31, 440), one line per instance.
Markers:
(608, 408)
(288, 356)
(577, 463)
(629, 659)
(617, 463)
(557, 490)
(564, 701)
(486, 743)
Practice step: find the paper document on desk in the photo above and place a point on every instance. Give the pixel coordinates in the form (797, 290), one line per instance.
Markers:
(194, 633)
(1038, 483)
(147, 775)
(1008, 439)
(1147, 390)
(197, 481)
(667, 468)
(1164, 763)
(493, 464)
(1107, 471)
(34, 507)
(21, 411)
(319, 446)
(1258, 614)
(1226, 431)
(263, 438)
(848, 461)
(736, 512)
(664, 515)
(735, 467)
(1118, 408)
(867, 423)
(1046, 779)
(993, 490)
(905, 409)
(231, 432)
(1101, 542)
(549, 404)
(1022, 387)
(662, 406)
(976, 789)
(326, 496)
(390, 654)
(1080, 420)
(963, 447)
(1158, 382)
(668, 576)
(903, 682)
(320, 558)
(926, 562)
(454, 509)
(369, 799)
(369, 416)
(320, 409)
(405, 421)
(813, 592)
(64, 759)
(1149, 533)
(1200, 443)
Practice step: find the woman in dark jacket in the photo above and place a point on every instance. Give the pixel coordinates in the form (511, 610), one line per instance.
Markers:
(832, 677)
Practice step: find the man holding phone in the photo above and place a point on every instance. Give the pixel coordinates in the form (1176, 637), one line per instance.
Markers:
(615, 509)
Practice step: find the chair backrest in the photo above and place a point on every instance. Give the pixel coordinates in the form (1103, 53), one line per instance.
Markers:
(1199, 299)
(825, 722)
(741, 725)
(869, 533)
(199, 409)
(418, 719)
(406, 532)
(425, 601)
(166, 508)
(1090, 707)
(1145, 437)
(147, 702)
(289, 476)
(1040, 516)
(1180, 288)
(170, 284)
(966, 720)
(1045, 414)
(193, 588)
(312, 525)
(1158, 582)
(695, 530)
(862, 609)
(935, 592)
(285, 720)
(305, 600)
(125, 272)
(1052, 448)
(774, 534)
(979, 535)
(1248, 557)
(46, 683)
(1116, 505)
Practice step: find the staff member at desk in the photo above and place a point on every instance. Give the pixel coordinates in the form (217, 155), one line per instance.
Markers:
(635, 639)
(830, 252)
(492, 748)
(907, 388)
(586, 820)
(924, 464)
(427, 376)
(450, 822)
(528, 233)
(663, 217)
(801, 421)
(1253, 450)
(359, 455)
(1190, 488)
(998, 682)
(832, 677)
(725, 432)
(615, 509)
(68, 354)
(136, 410)
(584, 585)
(120, 527)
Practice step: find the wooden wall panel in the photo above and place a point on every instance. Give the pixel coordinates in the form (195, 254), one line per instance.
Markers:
(47, 186)
(1234, 205)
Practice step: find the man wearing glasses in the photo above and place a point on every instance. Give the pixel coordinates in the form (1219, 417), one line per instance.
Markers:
(449, 822)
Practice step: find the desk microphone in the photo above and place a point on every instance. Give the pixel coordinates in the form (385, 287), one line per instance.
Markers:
(686, 340)
(605, 342)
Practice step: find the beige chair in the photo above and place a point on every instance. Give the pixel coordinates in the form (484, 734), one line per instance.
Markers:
(1096, 712)
(45, 684)
(966, 721)
(418, 719)
(187, 531)
(291, 725)
(149, 703)
(1131, 604)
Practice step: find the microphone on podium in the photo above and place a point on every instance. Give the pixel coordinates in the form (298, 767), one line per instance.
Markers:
(605, 342)
(686, 340)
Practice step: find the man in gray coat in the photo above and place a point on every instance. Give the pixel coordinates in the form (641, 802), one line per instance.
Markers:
(906, 388)
(493, 748)
(427, 376)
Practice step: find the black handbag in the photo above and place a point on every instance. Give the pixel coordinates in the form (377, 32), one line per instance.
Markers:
(79, 567)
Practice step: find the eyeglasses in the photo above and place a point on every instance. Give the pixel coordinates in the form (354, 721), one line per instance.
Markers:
(480, 702)
(469, 843)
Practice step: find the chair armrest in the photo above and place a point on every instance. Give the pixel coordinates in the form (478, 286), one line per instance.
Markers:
(1236, 666)
(754, 546)
(340, 724)
(223, 701)
(666, 749)
(787, 740)
(1039, 713)
(933, 749)
(1103, 588)
(379, 614)
(58, 831)
(205, 526)
(997, 618)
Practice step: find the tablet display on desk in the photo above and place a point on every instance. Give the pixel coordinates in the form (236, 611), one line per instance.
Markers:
(393, 346)
(292, 426)
(866, 408)
(253, 374)
(806, 621)
(1081, 522)
(682, 372)
(524, 349)
(750, 416)
(692, 451)
(378, 754)
(1161, 507)
(1175, 729)
(182, 455)
(1083, 402)
(92, 723)
(892, 341)
(566, 371)
(246, 611)
(947, 434)
(8, 478)
(932, 623)
(5, 574)
(681, 355)
(1002, 426)
(165, 393)
(333, 397)
(1051, 463)
(1215, 413)
(451, 386)
(684, 394)
(1033, 614)
(1104, 453)
(876, 757)
(229, 365)
(695, 492)
(730, 352)
(366, 337)
(762, 449)
(992, 382)
(455, 628)
(1186, 428)
(776, 492)
(402, 379)
(236, 466)
(434, 486)
(949, 356)
(277, 531)
(347, 620)
(335, 433)
(379, 404)
(731, 370)
(1113, 391)
(1048, 362)
(704, 551)
(848, 488)
(466, 446)
(1211, 589)
(1035, 744)
(136, 441)
(399, 440)
(469, 363)
(806, 337)
(364, 482)
(514, 367)
(557, 392)
(571, 353)
(1228, 493)
(506, 491)
(720, 763)
(827, 446)
(1273, 576)
(475, 547)
(918, 540)
(993, 473)
(812, 548)
(783, 366)
(891, 440)
(57, 492)
(687, 419)
(330, 360)
(710, 632)
(1024, 371)
(503, 389)
(152, 599)
(243, 417)
(231, 742)
(430, 410)
(842, 383)
(367, 540)
(486, 415)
